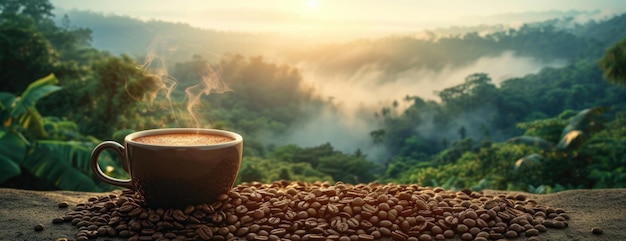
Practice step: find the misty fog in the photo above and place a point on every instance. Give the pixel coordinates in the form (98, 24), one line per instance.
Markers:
(356, 97)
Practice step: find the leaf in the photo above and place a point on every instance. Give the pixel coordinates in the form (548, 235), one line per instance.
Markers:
(64, 164)
(33, 124)
(12, 147)
(585, 120)
(528, 161)
(536, 190)
(6, 101)
(12, 152)
(35, 91)
(23, 110)
(571, 140)
(580, 128)
(8, 169)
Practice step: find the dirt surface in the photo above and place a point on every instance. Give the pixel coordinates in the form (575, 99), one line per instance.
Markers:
(21, 210)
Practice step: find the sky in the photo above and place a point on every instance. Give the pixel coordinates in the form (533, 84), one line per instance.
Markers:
(339, 16)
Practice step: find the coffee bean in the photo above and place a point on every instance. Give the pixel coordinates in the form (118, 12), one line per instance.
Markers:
(511, 234)
(398, 235)
(204, 232)
(448, 233)
(63, 205)
(531, 232)
(58, 220)
(223, 231)
(469, 222)
(303, 211)
(82, 223)
(38, 227)
(597, 230)
(560, 224)
(365, 237)
(462, 228)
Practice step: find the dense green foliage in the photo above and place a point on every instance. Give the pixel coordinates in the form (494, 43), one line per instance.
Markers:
(614, 63)
(28, 143)
(557, 129)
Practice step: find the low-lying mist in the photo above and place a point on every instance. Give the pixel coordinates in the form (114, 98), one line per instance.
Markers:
(356, 97)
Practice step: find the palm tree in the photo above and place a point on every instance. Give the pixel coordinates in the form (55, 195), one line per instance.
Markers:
(614, 63)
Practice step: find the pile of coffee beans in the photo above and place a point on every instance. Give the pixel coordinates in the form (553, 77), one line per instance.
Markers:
(318, 212)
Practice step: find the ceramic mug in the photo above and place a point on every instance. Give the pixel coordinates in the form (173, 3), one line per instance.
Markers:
(170, 175)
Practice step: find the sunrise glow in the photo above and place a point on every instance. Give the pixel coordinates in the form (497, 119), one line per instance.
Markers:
(312, 4)
(336, 19)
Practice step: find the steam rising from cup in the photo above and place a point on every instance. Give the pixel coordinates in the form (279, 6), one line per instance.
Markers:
(210, 82)
(157, 80)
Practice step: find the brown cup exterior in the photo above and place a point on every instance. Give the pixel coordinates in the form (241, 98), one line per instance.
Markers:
(178, 176)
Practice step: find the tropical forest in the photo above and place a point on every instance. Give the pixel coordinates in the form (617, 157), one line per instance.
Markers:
(539, 107)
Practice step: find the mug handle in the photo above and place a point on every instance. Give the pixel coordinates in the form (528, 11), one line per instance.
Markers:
(98, 172)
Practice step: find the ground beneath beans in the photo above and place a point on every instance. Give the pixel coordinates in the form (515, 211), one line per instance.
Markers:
(320, 211)
(21, 210)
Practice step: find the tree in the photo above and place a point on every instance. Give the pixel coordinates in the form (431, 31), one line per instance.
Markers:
(25, 55)
(108, 98)
(38, 10)
(477, 90)
(614, 63)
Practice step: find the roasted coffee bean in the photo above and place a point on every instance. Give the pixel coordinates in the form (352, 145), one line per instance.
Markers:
(308, 211)
(135, 212)
(353, 223)
(365, 237)
(560, 224)
(63, 205)
(511, 234)
(204, 232)
(597, 230)
(385, 231)
(58, 220)
(39, 227)
(178, 215)
(398, 235)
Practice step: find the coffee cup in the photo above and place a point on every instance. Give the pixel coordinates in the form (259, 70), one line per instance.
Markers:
(176, 167)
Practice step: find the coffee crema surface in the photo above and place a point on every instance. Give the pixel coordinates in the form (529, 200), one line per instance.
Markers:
(183, 139)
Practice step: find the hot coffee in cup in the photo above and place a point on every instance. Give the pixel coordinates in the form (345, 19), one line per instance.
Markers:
(176, 167)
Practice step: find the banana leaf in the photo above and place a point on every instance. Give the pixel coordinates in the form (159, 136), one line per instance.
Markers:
(528, 161)
(8, 169)
(35, 91)
(586, 121)
(12, 152)
(32, 123)
(64, 164)
(21, 110)
(6, 101)
(572, 140)
(580, 128)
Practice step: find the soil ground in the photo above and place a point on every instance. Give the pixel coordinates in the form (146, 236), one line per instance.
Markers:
(21, 210)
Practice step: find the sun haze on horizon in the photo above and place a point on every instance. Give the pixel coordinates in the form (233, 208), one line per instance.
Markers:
(337, 17)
